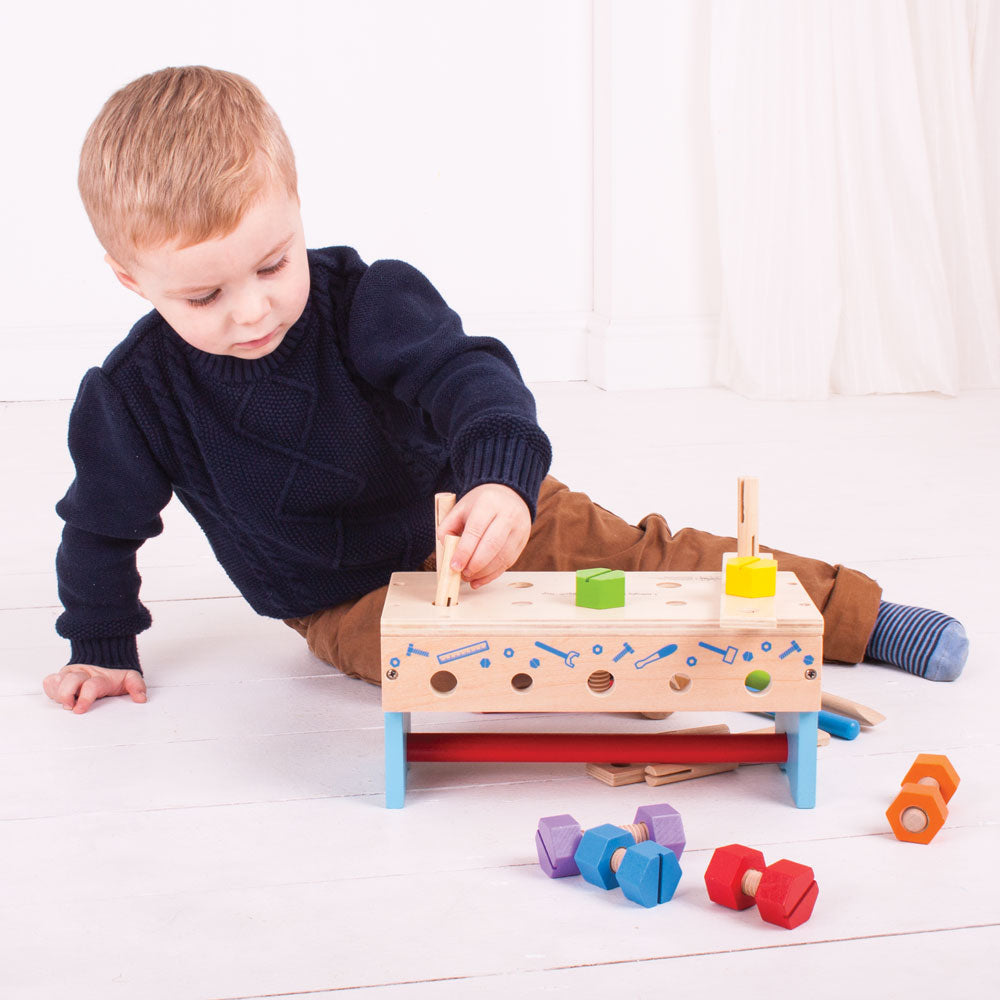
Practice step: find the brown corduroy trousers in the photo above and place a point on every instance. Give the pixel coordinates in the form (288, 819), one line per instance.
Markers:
(571, 532)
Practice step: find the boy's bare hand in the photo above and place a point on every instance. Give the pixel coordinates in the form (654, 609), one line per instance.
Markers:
(77, 686)
(494, 524)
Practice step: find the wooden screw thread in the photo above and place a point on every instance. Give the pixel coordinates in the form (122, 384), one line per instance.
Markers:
(600, 681)
(751, 882)
(639, 831)
(913, 819)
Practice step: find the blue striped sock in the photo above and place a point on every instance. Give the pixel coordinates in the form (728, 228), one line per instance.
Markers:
(926, 643)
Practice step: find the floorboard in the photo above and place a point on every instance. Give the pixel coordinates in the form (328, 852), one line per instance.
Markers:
(228, 839)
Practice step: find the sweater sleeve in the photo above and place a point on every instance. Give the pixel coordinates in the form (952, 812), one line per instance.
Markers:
(110, 509)
(403, 338)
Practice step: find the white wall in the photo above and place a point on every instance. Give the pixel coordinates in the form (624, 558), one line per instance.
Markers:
(461, 135)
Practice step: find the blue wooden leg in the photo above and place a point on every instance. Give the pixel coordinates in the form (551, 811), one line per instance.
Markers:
(397, 725)
(801, 729)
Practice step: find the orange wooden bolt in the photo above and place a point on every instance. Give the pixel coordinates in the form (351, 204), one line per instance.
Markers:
(918, 812)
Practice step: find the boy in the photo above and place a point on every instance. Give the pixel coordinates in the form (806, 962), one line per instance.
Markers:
(305, 408)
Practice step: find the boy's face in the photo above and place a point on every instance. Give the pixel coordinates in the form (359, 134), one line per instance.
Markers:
(237, 295)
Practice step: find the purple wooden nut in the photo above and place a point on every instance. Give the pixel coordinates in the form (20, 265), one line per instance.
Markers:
(556, 842)
(664, 825)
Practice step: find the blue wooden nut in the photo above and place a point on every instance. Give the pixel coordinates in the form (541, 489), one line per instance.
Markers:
(649, 873)
(593, 856)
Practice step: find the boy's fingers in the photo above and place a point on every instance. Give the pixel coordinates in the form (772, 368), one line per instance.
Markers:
(452, 523)
(69, 686)
(50, 685)
(498, 556)
(489, 551)
(135, 686)
(483, 580)
(90, 690)
(473, 534)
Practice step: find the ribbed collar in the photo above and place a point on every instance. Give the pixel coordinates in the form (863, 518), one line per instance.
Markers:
(226, 368)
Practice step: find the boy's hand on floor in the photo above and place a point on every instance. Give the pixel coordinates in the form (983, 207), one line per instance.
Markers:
(494, 524)
(76, 687)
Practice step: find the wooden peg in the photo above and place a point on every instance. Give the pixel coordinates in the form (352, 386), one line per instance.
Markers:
(664, 774)
(631, 774)
(443, 502)
(746, 524)
(852, 709)
(616, 775)
(448, 581)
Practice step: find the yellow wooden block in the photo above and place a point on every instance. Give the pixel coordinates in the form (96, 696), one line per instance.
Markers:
(751, 576)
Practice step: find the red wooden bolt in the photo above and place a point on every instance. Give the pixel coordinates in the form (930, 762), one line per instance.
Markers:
(785, 892)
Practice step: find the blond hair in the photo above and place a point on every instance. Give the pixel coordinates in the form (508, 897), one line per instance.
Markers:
(180, 154)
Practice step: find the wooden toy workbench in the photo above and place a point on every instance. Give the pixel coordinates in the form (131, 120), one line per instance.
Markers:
(521, 644)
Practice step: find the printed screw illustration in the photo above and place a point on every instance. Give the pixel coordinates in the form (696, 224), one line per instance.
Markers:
(625, 650)
(412, 650)
(793, 648)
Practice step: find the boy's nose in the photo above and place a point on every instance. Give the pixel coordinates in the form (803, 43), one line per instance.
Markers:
(251, 309)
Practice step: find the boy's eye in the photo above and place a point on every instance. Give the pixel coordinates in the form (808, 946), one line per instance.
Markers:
(274, 268)
(205, 300)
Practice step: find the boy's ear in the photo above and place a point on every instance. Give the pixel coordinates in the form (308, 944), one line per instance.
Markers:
(123, 276)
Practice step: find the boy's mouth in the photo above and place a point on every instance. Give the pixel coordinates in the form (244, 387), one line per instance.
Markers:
(260, 342)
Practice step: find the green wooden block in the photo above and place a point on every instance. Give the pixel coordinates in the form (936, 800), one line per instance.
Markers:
(600, 588)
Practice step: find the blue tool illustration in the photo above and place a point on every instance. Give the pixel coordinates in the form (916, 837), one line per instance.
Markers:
(658, 655)
(569, 657)
(412, 650)
(793, 648)
(462, 651)
(624, 651)
(728, 655)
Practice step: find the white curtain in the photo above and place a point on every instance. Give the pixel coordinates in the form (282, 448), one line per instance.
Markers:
(857, 159)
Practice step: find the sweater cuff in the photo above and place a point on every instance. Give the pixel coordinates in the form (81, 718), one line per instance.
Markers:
(117, 652)
(508, 461)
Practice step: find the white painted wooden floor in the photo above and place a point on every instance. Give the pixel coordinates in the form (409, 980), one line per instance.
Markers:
(228, 838)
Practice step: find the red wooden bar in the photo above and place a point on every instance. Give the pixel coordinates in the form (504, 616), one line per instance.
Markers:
(583, 747)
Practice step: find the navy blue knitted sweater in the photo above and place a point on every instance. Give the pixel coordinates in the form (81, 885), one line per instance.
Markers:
(311, 470)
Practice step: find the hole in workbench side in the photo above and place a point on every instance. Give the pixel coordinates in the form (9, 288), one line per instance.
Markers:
(601, 681)
(757, 681)
(444, 682)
